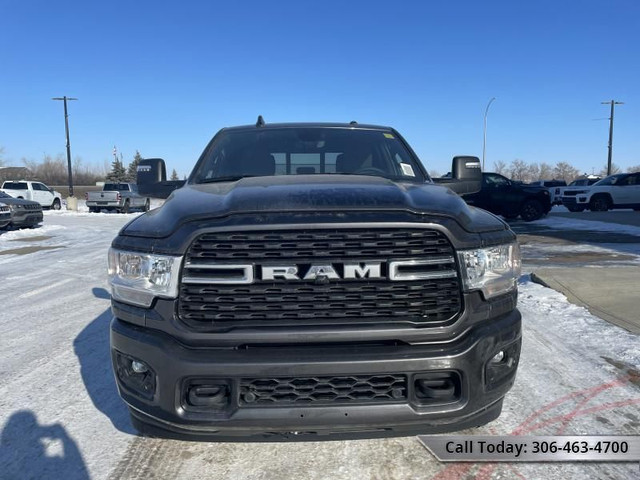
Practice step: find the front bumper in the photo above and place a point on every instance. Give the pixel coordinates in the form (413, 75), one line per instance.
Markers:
(575, 201)
(165, 410)
(5, 219)
(26, 218)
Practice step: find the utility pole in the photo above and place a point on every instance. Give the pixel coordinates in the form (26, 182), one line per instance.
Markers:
(66, 127)
(613, 103)
(484, 131)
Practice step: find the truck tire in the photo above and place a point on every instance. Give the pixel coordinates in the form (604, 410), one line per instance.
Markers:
(93, 210)
(147, 205)
(576, 209)
(600, 203)
(125, 208)
(531, 210)
(56, 204)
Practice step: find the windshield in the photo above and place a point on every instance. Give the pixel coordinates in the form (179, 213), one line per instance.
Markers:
(611, 180)
(307, 151)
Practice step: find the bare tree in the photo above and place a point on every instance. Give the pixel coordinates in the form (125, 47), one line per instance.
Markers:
(1, 156)
(565, 171)
(500, 167)
(518, 170)
(614, 169)
(546, 171)
(54, 171)
(633, 169)
(174, 175)
(533, 173)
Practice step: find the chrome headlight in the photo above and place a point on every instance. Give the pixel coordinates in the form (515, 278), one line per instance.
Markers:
(138, 278)
(493, 270)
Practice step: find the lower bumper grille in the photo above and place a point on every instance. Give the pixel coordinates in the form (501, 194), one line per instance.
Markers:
(323, 390)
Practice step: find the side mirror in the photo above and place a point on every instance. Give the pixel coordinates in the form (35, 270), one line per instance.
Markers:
(151, 179)
(466, 175)
(150, 171)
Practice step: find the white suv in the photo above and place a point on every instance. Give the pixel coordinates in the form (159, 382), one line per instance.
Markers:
(616, 191)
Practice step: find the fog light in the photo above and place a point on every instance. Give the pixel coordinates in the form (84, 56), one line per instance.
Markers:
(498, 357)
(135, 375)
(502, 366)
(138, 367)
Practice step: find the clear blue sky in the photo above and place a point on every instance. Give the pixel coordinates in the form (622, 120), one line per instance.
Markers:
(163, 77)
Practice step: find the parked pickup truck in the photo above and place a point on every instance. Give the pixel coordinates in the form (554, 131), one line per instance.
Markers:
(35, 191)
(121, 197)
(310, 281)
(621, 190)
(510, 199)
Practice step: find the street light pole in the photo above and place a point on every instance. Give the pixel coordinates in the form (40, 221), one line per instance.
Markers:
(66, 127)
(613, 104)
(484, 134)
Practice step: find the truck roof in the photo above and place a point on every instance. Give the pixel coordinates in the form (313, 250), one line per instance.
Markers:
(266, 126)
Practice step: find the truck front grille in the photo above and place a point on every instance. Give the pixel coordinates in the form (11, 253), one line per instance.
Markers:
(323, 390)
(209, 302)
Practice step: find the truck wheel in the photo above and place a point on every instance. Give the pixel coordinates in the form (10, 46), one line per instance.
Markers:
(576, 209)
(93, 210)
(125, 208)
(600, 203)
(531, 210)
(56, 204)
(147, 205)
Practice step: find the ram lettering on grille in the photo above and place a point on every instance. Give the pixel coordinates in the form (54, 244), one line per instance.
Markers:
(316, 277)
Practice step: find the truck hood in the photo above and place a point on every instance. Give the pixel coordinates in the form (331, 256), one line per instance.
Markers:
(312, 193)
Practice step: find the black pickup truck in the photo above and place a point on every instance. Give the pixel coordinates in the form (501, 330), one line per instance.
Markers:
(511, 199)
(310, 281)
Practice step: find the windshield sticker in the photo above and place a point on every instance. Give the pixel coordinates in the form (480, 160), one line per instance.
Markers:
(407, 169)
(388, 135)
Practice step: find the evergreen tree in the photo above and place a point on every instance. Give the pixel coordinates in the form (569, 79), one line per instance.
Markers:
(174, 175)
(118, 173)
(132, 170)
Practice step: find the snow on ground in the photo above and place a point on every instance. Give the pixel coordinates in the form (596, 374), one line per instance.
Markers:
(60, 416)
(566, 223)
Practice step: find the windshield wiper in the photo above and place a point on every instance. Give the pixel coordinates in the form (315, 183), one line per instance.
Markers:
(229, 178)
